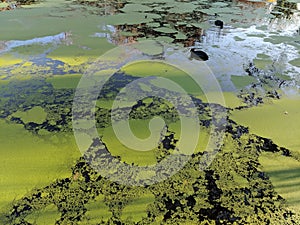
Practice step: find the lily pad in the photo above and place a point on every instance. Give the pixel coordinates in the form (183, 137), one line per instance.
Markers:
(165, 39)
(207, 11)
(180, 23)
(276, 39)
(236, 38)
(295, 62)
(283, 77)
(147, 1)
(242, 81)
(130, 18)
(203, 25)
(262, 63)
(180, 36)
(165, 30)
(219, 4)
(263, 56)
(256, 35)
(136, 8)
(182, 8)
(225, 10)
(263, 28)
(153, 24)
(149, 47)
(159, 9)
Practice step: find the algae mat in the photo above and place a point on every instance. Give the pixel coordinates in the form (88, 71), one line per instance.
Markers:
(29, 162)
(279, 121)
(148, 68)
(140, 128)
(284, 173)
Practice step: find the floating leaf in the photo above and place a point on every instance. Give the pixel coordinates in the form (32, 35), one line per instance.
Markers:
(136, 8)
(263, 28)
(180, 23)
(164, 39)
(130, 18)
(203, 25)
(256, 35)
(283, 77)
(180, 36)
(219, 4)
(242, 81)
(262, 63)
(238, 38)
(207, 11)
(181, 8)
(149, 47)
(295, 62)
(263, 56)
(165, 30)
(276, 39)
(154, 24)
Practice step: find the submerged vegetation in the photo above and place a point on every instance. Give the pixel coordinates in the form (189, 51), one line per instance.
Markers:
(254, 176)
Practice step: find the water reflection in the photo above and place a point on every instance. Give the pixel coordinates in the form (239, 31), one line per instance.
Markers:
(176, 24)
(285, 9)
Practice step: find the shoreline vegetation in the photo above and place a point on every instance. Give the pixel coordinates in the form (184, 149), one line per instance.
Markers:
(254, 177)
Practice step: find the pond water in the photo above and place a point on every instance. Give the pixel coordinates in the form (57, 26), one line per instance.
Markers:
(47, 46)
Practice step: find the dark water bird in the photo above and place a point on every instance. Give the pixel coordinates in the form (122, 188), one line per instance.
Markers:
(219, 23)
(197, 53)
